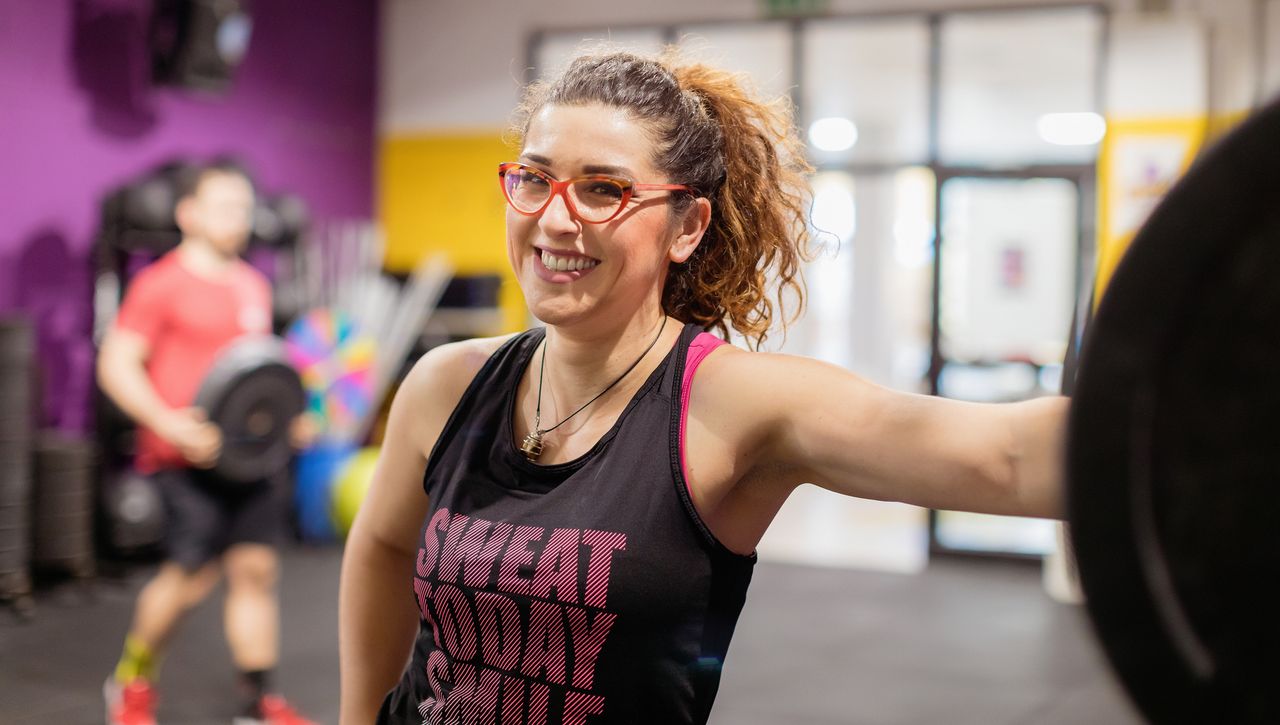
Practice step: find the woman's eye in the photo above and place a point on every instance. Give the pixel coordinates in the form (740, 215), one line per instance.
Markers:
(604, 188)
(527, 177)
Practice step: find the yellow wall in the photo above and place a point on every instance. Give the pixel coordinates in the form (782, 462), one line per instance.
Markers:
(1121, 189)
(439, 192)
(1116, 187)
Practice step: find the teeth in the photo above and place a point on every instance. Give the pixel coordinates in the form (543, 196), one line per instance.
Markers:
(559, 263)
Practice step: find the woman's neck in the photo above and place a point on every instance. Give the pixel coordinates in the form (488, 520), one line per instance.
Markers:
(581, 362)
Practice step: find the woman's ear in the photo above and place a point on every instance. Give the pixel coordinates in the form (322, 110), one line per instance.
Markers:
(693, 224)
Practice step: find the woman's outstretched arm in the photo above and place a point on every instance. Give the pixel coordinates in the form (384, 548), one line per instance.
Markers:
(818, 423)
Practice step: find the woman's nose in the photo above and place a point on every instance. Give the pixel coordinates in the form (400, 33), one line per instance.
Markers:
(558, 218)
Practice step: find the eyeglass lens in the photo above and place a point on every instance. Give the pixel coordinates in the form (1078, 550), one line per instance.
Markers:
(595, 199)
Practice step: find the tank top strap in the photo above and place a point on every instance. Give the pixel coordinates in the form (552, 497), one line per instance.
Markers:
(478, 402)
(674, 374)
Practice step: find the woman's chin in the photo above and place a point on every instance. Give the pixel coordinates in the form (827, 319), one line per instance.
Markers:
(555, 312)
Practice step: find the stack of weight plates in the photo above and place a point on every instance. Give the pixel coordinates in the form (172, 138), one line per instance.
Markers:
(133, 518)
(17, 352)
(62, 505)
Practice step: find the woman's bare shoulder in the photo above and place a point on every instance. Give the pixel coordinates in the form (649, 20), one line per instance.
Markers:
(728, 370)
(752, 392)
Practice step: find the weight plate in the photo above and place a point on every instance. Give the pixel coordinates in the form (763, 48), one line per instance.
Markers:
(1172, 496)
(252, 394)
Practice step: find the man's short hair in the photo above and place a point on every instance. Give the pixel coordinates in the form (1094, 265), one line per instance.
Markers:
(189, 177)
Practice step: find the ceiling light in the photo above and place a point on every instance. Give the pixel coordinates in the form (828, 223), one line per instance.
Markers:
(833, 134)
(1072, 129)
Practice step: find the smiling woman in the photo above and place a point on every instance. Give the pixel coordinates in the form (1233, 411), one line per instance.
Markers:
(592, 570)
(665, 121)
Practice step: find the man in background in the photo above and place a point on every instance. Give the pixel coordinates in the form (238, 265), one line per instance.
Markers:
(176, 316)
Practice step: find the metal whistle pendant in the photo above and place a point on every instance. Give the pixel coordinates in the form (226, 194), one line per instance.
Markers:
(532, 445)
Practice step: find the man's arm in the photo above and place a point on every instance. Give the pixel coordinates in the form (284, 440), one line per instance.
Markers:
(122, 375)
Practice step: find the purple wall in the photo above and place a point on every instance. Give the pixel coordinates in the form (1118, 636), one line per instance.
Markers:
(78, 116)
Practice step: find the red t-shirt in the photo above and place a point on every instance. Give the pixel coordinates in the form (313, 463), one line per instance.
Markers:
(188, 319)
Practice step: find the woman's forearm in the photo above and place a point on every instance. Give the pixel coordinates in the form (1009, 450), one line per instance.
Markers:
(1038, 455)
(377, 623)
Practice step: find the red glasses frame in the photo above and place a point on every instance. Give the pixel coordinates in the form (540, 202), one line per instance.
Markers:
(562, 188)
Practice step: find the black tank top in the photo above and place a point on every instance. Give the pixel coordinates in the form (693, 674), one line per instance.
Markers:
(584, 593)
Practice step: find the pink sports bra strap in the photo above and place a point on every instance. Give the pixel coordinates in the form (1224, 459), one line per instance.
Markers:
(701, 346)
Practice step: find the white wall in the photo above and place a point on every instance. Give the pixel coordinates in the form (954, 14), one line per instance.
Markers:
(459, 65)
(1233, 52)
(1271, 49)
(453, 65)
(1156, 66)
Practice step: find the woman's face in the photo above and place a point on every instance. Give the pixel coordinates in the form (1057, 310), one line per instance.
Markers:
(569, 270)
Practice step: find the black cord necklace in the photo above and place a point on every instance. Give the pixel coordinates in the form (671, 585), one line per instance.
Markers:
(532, 444)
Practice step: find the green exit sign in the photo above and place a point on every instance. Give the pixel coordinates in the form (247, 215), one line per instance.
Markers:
(793, 8)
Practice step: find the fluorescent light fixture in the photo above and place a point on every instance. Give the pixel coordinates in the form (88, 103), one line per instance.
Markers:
(1072, 129)
(833, 134)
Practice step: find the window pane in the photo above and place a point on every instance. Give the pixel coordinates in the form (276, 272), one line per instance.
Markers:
(1002, 73)
(1009, 249)
(826, 331)
(761, 50)
(904, 272)
(981, 532)
(875, 74)
(1271, 50)
(869, 300)
(870, 286)
(557, 49)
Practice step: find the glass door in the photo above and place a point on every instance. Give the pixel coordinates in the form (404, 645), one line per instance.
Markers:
(1008, 266)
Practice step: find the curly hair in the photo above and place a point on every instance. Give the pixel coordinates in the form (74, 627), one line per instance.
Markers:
(740, 152)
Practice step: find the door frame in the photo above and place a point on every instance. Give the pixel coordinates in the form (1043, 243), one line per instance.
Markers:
(1084, 178)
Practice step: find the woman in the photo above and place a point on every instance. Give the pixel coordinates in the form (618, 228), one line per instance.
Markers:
(580, 546)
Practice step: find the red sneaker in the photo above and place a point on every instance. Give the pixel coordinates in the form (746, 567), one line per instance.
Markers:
(274, 710)
(130, 704)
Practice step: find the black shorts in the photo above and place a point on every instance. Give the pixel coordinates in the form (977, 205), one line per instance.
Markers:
(205, 515)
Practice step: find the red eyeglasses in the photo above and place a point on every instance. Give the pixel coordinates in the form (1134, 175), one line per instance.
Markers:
(594, 198)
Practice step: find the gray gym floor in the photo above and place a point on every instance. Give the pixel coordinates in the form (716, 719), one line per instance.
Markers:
(966, 643)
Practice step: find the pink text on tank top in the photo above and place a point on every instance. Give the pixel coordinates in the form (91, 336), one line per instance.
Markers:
(702, 346)
(470, 576)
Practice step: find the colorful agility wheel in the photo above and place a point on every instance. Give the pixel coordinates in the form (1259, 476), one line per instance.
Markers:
(336, 363)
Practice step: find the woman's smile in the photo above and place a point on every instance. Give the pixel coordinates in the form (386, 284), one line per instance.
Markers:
(561, 266)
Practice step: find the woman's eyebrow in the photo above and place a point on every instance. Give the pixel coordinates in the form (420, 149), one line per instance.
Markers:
(607, 169)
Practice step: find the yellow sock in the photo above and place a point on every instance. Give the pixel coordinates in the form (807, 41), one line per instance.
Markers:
(136, 661)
